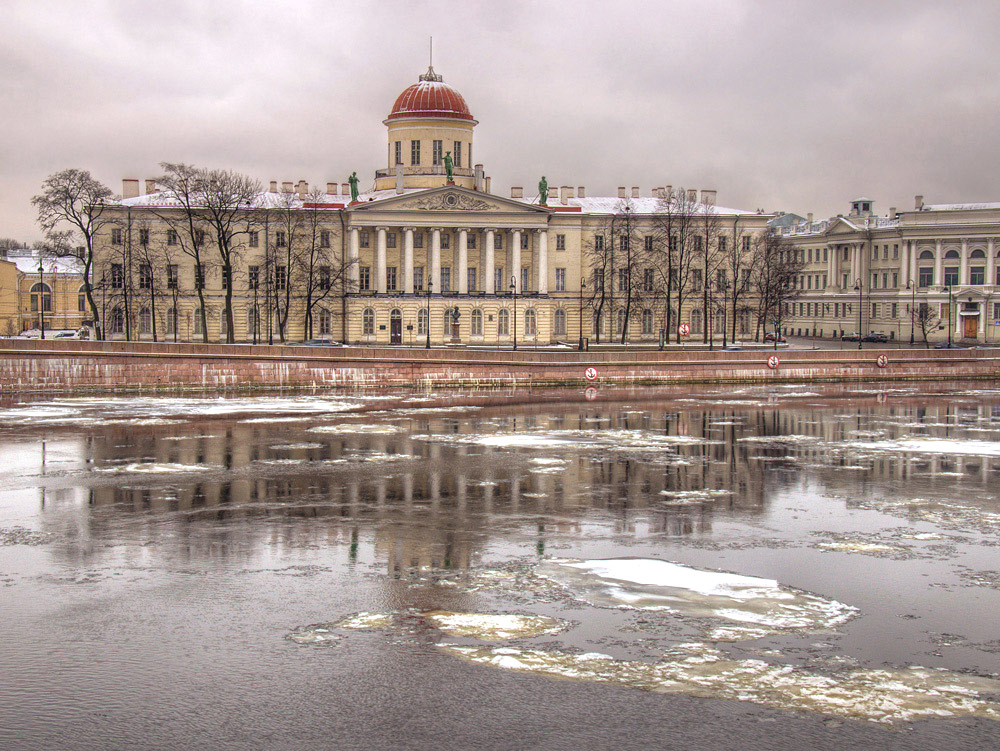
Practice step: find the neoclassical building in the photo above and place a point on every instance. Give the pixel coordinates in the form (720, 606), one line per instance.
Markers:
(426, 253)
(865, 272)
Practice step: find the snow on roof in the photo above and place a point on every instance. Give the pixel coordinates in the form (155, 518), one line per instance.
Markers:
(26, 260)
(960, 206)
(614, 204)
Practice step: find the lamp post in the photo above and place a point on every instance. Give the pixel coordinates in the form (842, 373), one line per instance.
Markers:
(513, 287)
(428, 321)
(951, 309)
(41, 294)
(724, 289)
(709, 317)
(860, 291)
(913, 304)
(583, 283)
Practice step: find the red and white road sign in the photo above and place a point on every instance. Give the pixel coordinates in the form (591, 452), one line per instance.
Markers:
(882, 361)
(773, 362)
(684, 330)
(590, 374)
(590, 393)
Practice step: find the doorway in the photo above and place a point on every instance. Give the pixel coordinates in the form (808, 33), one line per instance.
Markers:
(971, 327)
(395, 327)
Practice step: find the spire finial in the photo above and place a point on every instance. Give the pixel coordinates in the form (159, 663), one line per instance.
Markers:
(430, 75)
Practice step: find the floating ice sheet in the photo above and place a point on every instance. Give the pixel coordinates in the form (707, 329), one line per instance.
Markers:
(950, 446)
(651, 584)
(494, 627)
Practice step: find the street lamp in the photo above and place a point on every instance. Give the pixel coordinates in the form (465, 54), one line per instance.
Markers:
(913, 304)
(583, 283)
(860, 291)
(513, 287)
(41, 294)
(428, 321)
(951, 309)
(724, 289)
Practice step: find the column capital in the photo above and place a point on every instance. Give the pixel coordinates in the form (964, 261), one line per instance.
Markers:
(382, 229)
(409, 229)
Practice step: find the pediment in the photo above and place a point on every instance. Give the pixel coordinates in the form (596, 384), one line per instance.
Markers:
(451, 198)
(841, 226)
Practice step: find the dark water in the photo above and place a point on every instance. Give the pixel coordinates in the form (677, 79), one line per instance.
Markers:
(156, 554)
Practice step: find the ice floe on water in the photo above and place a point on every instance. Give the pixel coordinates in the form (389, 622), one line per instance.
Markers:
(950, 446)
(323, 634)
(882, 696)
(355, 428)
(365, 621)
(680, 497)
(296, 446)
(494, 627)
(651, 584)
(155, 468)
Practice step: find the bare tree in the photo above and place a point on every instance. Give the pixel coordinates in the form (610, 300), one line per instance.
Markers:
(71, 209)
(284, 250)
(737, 260)
(710, 260)
(775, 272)
(618, 260)
(320, 273)
(924, 316)
(675, 251)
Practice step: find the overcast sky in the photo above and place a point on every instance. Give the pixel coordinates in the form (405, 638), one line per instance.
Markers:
(795, 106)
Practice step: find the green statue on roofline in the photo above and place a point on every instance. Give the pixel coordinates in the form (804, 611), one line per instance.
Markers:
(353, 181)
(543, 191)
(449, 166)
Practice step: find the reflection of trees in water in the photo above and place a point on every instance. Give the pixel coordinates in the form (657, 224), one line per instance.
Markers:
(438, 502)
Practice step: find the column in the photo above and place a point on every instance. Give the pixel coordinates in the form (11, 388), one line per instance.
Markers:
(963, 263)
(991, 262)
(542, 255)
(487, 256)
(515, 258)
(435, 269)
(380, 261)
(833, 265)
(354, 268)
(463, 262)
(914, 274)
(938, 264)
(408, 260)
(904, 267)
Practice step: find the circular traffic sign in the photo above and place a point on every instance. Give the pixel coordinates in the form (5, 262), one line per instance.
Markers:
(684, 329)
(773, 362)
(590, 393)
(882, 361)
(590, 374)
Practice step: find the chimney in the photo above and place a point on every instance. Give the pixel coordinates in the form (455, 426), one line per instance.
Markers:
(553, 193)
(478, 183)
(919, 201)
(892, 212)
(399, 178)
(635, 191)
(489, 183)
(331, 189)
(581, 192)
(809, 217)
(274, 186)
(286, 186)
(708, 197)
(564, 193)
(302, 188)
(621, 191)
(130, 188)
(516, 191)
(668, 190)
(150, 187)
(345, 189)
(692, 196)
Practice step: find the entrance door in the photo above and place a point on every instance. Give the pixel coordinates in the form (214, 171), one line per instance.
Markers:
(971, 327)
(395, 327)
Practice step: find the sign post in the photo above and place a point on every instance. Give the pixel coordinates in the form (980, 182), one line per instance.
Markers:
(590, 374)
(684, 331)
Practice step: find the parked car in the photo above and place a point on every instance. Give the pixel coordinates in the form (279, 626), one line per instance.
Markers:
(772, 336)
(852, 337)
(876, 337)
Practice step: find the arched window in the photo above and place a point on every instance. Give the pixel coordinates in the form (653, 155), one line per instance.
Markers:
(598, 323)
(223, 325)
(977, 254)
(197, 322)
(743, 320)
(720, 320)
(325, 322)
(368, 322)
(117, 320)
(503, 322)
(559, 322)
(620, 322)
(696, 321)
(253, 323)
(422, 322)
(145, 322)
(81, 299)
(447, 319)
(477, 322)
(171, 321)
(41, 298)
(647, 322)
(530, 322)
(951, 254)
(926, 256)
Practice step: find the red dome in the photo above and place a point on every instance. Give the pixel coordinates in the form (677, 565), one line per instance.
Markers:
(430, 97)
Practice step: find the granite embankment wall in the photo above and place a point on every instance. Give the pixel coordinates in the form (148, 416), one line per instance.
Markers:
(34, 366)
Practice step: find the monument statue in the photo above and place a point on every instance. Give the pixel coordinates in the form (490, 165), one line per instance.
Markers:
(449, 166)
(543, 191)
(353, 180)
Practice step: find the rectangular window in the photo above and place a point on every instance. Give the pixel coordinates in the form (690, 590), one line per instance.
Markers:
(116, 236)
(365, 278)
(945, 312)
(144, 237)
(253, 277)
(436, 154)
(472, 279)
(826, 256)
(874, 281)
(885, 281)
(875, 252)
(895, 280)
(895, 310)
(280, 239)
(696, 280)
(746, 244)
(471, 241)
(254, 239)
(498, 241)
(498, 279)
(364, 239)
(418, 278)
(171, 237)
(560, 242)
(457, 153)
(598, 279)
(996, 311)
(951, 276)
(926, 277)
(324, 277)
(199, 237)
(172, 276)
(398, 153)
(324, 238)
(225, 277)
(525, 279)
(647, 243)
(524, 241)
(697, 243)
(874, 310)
(622, 280)
(117, 276)
(895, 251)
(720, 279)
(414, 152)
(145, 276)
(560, 280)
(418, 239)
(722, 243)
(446, 279)
(390, 239)
(885, 253)
(199, 277)
(390, 278)
(445, 241)
(977, 275)
(647, 280)
(599, 243)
